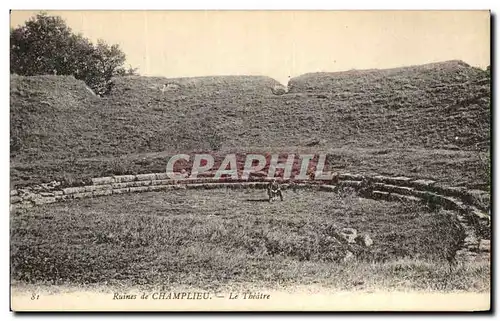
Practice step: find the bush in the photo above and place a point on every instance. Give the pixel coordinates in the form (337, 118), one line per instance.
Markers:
(46, 45)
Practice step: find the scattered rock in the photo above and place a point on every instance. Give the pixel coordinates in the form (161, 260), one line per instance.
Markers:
(278, 90)
(170, 87)
(29, 196)
(26, 204)
(485, 246)
(23, 191)
(54, 183)
(313, 143)
(90, 91)
(473, 248)
(358, 283)
(349, 256)
(15, 199)
(349, 234)
(364, 240)
(47, 187)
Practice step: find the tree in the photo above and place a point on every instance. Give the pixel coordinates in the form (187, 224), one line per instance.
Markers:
(46, 45)
(128, 72)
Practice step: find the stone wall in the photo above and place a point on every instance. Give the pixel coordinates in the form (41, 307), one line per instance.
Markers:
(472, 206)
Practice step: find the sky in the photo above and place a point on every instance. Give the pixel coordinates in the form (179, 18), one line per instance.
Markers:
(282, 44)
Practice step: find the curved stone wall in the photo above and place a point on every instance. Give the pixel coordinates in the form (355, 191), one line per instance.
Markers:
(472, 206)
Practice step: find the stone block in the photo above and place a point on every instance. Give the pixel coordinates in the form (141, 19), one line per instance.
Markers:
(82, 195)
(139, 183)
(354, 184)
(327, 188)
(122, 185)
(161, 176)
(44, 200)
(393, 188)
(422, 183)
(145, 177)
(73, 190)
(399, 180)
(124, 178)
(161, 182)
(121, 190)
(103, 180)
(103, 192)
(350, 177)
(15, 199)
(139, 189)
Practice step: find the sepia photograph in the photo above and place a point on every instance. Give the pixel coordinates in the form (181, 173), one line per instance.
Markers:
(258, 160)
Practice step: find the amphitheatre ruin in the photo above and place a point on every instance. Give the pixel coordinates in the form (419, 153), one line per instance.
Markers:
(407, 208)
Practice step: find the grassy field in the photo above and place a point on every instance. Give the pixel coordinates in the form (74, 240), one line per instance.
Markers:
(215, 239)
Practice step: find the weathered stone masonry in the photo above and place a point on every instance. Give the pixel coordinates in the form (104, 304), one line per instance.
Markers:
(472, 206)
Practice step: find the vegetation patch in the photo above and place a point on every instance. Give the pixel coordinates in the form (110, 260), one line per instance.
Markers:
(213, 238)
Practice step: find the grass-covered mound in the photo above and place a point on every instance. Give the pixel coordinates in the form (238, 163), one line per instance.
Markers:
(440, 105)
(59, 126)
